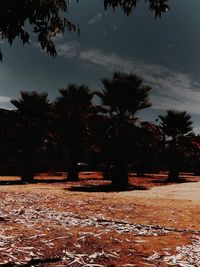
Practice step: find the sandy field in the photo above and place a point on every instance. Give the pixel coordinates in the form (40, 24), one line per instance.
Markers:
(55, 223)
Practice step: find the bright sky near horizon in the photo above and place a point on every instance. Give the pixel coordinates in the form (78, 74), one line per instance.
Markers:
(165, 52)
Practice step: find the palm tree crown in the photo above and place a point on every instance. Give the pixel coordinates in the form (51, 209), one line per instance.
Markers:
(176, 123)
(125, 93)
(32, 104)
(74, 98)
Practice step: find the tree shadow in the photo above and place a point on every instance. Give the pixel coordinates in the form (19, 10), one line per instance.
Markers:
(141, 175)
(50, 181)
(34, 262)
(104, 188)
(178, 181)
(20, 182)
(11, 182)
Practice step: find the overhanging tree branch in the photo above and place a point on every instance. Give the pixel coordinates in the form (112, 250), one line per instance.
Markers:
(48, 18)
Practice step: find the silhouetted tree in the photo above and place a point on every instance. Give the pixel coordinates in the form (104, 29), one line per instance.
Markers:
(47, 20)
(33, 110)
(175, 125)
(73, 108)
(122, 97)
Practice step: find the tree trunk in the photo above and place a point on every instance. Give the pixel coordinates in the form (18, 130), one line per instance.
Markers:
(27, 168)
(173, 175)
(106, 172)
(174, 162)
(73, 168)
(119, 176)
(72, 172)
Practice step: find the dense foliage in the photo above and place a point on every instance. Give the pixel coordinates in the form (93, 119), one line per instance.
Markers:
(45, 18)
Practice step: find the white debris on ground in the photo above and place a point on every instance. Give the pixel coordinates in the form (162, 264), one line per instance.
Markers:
(31, 211)
(31, 216)
(85, 259)
(187, 256)
(11, 251)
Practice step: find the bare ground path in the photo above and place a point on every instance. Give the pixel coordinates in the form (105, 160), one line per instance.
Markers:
(48, 225)
(189, 191)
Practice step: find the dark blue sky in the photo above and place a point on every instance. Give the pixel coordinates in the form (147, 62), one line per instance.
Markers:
(164, 51)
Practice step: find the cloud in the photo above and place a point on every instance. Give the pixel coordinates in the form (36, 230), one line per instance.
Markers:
(171, 89)
(177, 91)
(95, 19)
(69, 50)
(110, 61)
(4, 99)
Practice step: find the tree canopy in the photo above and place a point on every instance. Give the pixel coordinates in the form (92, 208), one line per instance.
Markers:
(48, 18)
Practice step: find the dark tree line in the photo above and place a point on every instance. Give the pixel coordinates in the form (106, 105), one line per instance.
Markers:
(40, 135)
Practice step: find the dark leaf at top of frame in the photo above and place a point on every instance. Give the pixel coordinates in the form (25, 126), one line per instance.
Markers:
(156, 6)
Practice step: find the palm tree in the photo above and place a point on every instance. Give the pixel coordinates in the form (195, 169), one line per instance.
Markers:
(72, 108)
(32, 108)
(123, 96)
(175, 125)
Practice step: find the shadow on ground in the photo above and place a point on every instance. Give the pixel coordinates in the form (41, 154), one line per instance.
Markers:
(168, 182)
(104, 188)
(19, 182)
(33, 262)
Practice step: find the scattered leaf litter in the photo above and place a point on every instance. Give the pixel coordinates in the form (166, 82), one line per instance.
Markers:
(187, 256)
(30, 211)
